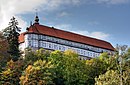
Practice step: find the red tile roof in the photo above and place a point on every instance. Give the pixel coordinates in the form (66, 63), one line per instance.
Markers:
(50, 31)
(21, 37)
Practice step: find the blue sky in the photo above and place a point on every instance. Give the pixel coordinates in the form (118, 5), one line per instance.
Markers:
(108, 20)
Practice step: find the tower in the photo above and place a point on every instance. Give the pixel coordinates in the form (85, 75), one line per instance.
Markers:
(36, 18)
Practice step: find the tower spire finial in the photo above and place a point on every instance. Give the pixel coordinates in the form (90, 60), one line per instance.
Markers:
(36, 12)
(36, 18)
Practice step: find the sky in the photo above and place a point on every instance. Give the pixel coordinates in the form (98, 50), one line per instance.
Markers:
(107, 20)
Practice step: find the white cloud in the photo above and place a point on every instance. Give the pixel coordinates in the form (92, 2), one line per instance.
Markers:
(113, 1)
(66, 27)
(97, 34)
(100, 35)
(9, 8)
(62, 14)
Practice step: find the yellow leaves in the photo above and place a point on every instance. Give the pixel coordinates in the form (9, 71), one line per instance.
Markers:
(22, 80)
(6, 72)
(70, 53)
(111, 77)
(56, 52)
(36, 73)
(11, 64)
(39, 62)
(28, 69)
(90, 62)
(43, 63)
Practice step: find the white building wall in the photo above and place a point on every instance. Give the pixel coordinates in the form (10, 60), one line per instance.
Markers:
(22, 46)
(52, 43)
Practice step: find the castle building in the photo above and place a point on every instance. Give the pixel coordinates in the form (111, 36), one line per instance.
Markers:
(39, 36)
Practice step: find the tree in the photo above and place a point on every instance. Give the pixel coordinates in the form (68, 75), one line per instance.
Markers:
(111, 77)
(12, 33)
(3, 44)
(4, 56)
(69, 69)
(56, 57)
(122, 59)
(40, 73)
(75, 72)
(11, 73)
(32, 56)
(97, 66)
(119, 72)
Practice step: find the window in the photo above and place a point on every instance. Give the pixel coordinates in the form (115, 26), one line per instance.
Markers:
(44, 44)
(49, 38)
(50, 45)
(94, 55)
(35, 43)
(81, 52)
(88, 54)
(52, 39)
(63, 41)
(82, 46)
(40, 37)
(84, 53)
(63, 48)
(59, 47)
(55, 46)
(44, 37)
(33, 36)
(69, 43)
(91, 54)
(29, 44)
(28, 36)
(59, 41)
(66, 42)
(89, 47)
(40, 44)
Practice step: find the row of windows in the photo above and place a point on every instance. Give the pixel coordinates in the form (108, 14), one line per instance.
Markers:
(65, 42)
(54, 46)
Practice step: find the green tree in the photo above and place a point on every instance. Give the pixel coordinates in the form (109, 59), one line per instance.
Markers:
(69, 70)
(111, 77)
(119, 72)
(75, 72)
(56, 57)
(32, 56)
(12, 33)
(97, 66)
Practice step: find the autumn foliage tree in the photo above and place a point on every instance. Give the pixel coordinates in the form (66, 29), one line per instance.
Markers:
(3, 43)
(40, 73)
(11, 73)
(4, 56)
